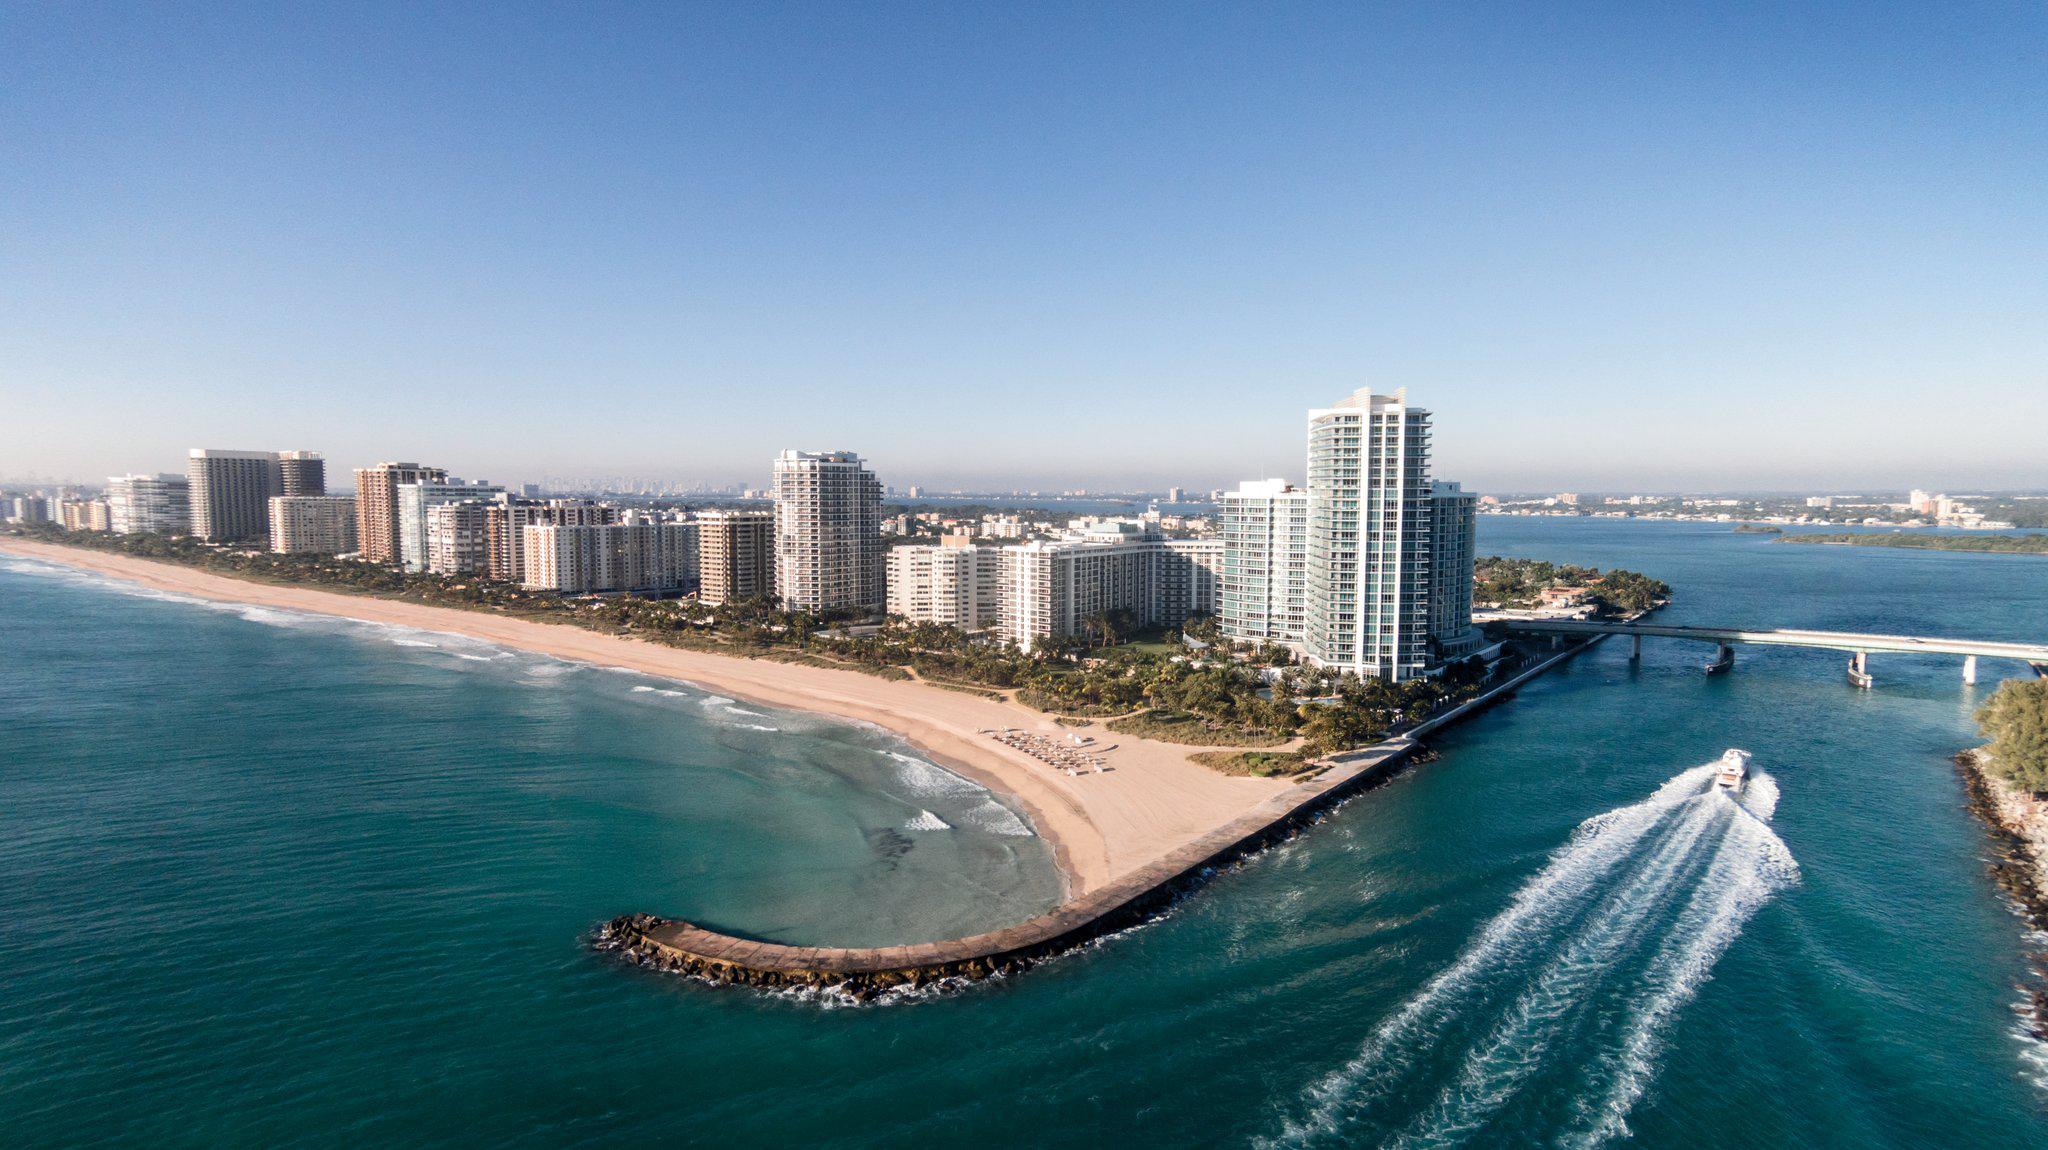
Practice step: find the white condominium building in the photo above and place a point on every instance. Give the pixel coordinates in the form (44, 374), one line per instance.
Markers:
(1053, 587)
(459, 537)
(580, 559)
(1368, 546)
(312, 524)
(149, 504)
(1265, 566)
(829, 552)
(416, 499)
(736, 555)
(1453, 534)
(949, 584)
(507, 517)
(229, 493)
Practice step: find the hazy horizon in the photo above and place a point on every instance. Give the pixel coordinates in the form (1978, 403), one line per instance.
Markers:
(1612, 249)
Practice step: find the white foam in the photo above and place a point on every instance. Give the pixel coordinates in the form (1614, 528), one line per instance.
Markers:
(927, 821)
(1625, 922)
(715, 701)
(404, 642)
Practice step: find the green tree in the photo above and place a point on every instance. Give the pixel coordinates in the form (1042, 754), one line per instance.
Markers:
(2016, 722)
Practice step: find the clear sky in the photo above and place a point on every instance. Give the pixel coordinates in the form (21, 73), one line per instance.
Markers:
(1611, 246)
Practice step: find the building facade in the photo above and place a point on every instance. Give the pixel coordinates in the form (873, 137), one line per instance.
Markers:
(647, 557)
(416, 499)
(829, 553)
(312, 524)
(149, 504)
(377, 505)
(458, 537)
(1265, 566)
(1453, 535)
(301, 473)
(229, 493)
(948, 584)
(737, 555)
(1053, 587)
(84, 515)
(507, 517)
(1367, 579)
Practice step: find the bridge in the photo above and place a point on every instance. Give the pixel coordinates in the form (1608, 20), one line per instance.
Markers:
(1859, 646)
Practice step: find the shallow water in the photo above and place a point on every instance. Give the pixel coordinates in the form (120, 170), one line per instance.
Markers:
(270, 881)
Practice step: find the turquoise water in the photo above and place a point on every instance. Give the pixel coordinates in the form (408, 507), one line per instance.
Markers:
(274, 881)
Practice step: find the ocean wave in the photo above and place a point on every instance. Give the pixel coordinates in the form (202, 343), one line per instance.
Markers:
(927, 821)
(1584, 969)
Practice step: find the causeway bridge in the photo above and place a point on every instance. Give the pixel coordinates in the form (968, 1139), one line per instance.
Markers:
(1859, 646)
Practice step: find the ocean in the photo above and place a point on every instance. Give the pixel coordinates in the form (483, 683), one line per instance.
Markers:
(276, 880)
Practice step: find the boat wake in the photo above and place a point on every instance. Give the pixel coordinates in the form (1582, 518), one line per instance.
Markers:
(1548, 1026)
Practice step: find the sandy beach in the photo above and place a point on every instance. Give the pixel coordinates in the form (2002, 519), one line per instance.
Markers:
(1100, 826)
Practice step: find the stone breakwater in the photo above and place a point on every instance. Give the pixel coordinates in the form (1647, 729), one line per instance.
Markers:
(678, 947)
(2018, 823)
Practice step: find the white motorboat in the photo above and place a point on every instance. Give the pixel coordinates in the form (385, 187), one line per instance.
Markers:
(1733, 770)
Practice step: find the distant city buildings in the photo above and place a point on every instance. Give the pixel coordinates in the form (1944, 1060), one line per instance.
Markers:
(312, 524)
(829, 552)
(149, 504)
(377, 512)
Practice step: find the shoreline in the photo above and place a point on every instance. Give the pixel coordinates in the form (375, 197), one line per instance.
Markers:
(1100, 828)
(2018, 825)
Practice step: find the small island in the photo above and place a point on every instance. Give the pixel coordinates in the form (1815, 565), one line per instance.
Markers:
(2032, 543)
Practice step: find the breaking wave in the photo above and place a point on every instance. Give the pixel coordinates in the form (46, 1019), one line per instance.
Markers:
(1555, 1013)
(927, 821)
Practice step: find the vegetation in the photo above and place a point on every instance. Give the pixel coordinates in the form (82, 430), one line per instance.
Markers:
(2033, 544)
(1187, 684)
(2016, 722)
(1258, 764)
(1758, 529)
(1502, 582)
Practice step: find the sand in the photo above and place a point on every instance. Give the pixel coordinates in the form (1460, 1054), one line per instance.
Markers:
(1100, 826)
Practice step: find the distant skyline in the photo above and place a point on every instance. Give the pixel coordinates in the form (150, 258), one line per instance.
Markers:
(1610, 248)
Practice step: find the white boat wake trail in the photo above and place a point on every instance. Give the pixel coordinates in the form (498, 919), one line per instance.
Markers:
(1547, 1028)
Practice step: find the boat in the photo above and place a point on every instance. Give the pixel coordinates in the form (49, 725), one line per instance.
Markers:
(1733, 770)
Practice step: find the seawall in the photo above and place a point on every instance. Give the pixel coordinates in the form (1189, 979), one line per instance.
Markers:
(680, 947)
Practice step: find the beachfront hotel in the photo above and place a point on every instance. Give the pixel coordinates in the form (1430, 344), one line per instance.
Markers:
(736, 555)
(459, 537)
(829, 552)
(312, 524)
(149, 504)
(229, 493)
(1264, 524)
(1051, 587)
(507, 517)
(377, 505)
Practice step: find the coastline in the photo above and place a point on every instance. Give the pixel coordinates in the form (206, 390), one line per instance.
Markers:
(1100, 828)
(2018, 823)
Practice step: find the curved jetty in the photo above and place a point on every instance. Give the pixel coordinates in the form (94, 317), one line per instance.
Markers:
(680, 947)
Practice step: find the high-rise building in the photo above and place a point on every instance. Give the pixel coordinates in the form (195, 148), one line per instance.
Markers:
(829, 552)
(1053, 587)
(230, 493)
(952, 583)
(1367, 587)
(1453, 543)
(1265, 567)
(149, 504)
(312, 524)
(507, 517)
(301, 473)
(646, 556)
(736, 555)
(458, 537)
(414, 501)
(377, 505)
(30, 509)
(1190, 579)
(84, 515)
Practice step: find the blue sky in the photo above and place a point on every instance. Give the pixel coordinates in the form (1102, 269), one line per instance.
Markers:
(1611, 246)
